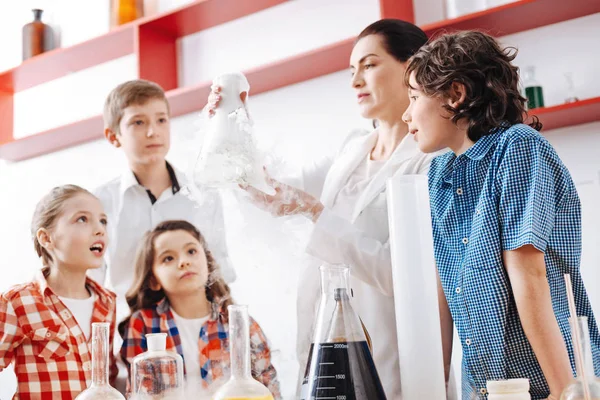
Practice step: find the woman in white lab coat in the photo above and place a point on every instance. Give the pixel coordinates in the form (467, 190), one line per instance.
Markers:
(346, 199)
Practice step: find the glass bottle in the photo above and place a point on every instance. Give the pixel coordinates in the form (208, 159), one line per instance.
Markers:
(229, 155)
(510, 389)
(124, 11)
(533, 90)
(576, 390)
(241, 385)
(37, 36)
(100, 388)
(157, 372)
(571, 97)
(340, 364)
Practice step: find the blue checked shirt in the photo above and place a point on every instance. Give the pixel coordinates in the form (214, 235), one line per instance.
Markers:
(508, 190)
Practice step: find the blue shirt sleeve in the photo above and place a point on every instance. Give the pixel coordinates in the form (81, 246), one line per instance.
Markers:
(531, 184)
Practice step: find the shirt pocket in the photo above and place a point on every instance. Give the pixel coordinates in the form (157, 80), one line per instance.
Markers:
(51, 342)
(484, 250)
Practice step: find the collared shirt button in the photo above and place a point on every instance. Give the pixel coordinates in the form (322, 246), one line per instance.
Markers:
(459, 191)
(465, 240)
(483, 391)
(86, 366)
(65, 314)
(468, 342)
(457, 290)
(48, 334)
(477, 211)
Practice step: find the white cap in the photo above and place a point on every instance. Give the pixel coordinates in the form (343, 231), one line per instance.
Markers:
(508, 386)
(156, 341)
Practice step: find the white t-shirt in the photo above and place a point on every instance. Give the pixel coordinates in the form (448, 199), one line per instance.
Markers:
(189, 332)
(82, 310)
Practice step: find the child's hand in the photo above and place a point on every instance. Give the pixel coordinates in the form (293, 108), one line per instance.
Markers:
(215, 97)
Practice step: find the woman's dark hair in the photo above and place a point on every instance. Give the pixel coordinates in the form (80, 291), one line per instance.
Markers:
(401, 39)
(478, 62)
(141, 295)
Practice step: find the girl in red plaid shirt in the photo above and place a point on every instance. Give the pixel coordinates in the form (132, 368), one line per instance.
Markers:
(178, 290)
(45, 324)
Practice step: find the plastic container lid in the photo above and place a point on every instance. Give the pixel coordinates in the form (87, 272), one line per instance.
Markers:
(508, 386)
(156, 341)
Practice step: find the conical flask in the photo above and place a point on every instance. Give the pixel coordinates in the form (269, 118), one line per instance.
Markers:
(100, 388)
(229, 156)
(578, 390)
(241, 385)
(157, 373)
(340, 364)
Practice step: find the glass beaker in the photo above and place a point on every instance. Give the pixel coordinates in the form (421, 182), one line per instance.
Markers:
(100, 388)
(157, 372)
(229, 156)
(241, 385)
(340, 364)
(577, 390)
(533, 90)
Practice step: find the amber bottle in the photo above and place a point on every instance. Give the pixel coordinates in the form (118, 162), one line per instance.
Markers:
(124, 11)
(37, 36)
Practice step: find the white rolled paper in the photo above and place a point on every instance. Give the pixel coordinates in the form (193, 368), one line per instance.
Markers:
(415, 288)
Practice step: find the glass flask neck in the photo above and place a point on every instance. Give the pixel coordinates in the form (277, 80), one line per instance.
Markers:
(239, 341)
(334, 278)
(586, 349)
(100, 355)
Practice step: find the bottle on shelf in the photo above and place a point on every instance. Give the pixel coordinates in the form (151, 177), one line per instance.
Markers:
(533, 90)
(38, 37)
(124, 11)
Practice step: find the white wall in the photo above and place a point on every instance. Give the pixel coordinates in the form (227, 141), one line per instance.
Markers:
(300, 123)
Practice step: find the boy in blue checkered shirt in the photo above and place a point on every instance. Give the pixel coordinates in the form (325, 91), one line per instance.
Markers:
(506, 218)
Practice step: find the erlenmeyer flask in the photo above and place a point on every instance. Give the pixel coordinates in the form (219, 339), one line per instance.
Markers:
(157, 372)
(100, 388)
(577, 390)
(229, 155)
(340, 364)
(241, 385)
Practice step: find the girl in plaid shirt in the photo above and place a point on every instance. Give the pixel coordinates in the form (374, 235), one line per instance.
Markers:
(45, 324)
(178, 290)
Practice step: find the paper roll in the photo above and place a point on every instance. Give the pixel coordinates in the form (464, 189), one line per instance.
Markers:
(415, 288)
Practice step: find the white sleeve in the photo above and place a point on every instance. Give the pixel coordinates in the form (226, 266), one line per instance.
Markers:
(336, 241)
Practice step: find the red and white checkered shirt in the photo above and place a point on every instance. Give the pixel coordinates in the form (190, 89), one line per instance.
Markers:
(40, 336)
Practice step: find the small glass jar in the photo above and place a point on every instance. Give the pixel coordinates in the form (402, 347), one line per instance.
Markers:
(157, 372)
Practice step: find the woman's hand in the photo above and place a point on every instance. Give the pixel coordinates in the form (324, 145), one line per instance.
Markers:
(215, 97)
(287, 200)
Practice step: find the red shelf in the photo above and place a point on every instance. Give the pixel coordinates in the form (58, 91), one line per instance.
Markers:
(53, 140)
(153, 39)
(517, 17)
(580, 112)
(60, 62)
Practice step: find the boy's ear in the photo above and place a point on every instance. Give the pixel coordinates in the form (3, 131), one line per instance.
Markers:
(458, 94)
(112, 137)
(43, 237)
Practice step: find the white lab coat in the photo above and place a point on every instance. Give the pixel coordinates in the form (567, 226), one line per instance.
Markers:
(363, 244)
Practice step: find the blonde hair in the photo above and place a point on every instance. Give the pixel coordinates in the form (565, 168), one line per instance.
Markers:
(47, 211)
(141, 295)
(135, 92)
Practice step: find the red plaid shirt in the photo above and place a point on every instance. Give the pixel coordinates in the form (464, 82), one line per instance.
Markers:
(39, 335)
(213, 345)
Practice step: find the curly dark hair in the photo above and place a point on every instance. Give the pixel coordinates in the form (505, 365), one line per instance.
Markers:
(477, 61)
